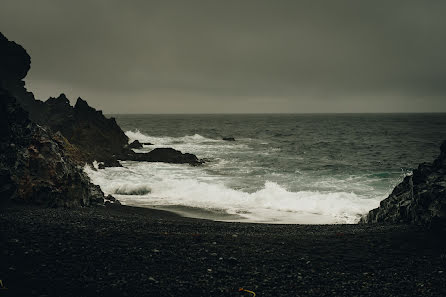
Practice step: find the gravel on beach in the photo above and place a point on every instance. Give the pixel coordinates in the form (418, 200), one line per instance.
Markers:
(128, 251)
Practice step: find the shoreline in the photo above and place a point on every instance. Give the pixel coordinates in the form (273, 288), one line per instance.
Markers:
(131, 251)
(215, 216)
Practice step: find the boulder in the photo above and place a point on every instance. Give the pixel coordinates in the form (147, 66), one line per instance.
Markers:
(228, 138)
(419, 199)
(135, 145)
(112, 163)
(167, 155)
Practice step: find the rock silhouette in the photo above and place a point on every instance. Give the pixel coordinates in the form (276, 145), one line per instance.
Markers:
(135, 145)
(228, 138)
(167, 155)
(97, 137)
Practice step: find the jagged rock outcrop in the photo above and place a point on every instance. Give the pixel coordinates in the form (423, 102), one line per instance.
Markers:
(37, 166)
(97, 137)
(419, 199)
(135, 145)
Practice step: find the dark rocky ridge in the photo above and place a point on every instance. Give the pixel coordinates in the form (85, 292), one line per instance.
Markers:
(44, 145)
(228, 138)
(37, 166)
(97, 137)
(419, 199)
(167, 155)
(135, 145)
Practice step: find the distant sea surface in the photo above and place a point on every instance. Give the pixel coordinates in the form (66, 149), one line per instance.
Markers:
(296, 168)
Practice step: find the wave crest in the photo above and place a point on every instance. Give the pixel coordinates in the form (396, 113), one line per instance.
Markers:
(160, 185)
(141, 137)
(132, 189)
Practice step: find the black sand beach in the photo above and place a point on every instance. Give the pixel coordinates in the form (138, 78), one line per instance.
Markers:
(126, 251)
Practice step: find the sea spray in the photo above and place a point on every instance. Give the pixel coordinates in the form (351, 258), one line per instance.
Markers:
(281, 168)
(273, 203)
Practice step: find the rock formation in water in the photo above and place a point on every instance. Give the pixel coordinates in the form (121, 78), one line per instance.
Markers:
(135, 145)
(228, 138)
(167, 155)
(97, 137)
(37, 166)
(419, 199)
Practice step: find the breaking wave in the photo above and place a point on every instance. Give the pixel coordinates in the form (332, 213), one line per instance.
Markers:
(141, 137)
(131, 189)
(162, 185)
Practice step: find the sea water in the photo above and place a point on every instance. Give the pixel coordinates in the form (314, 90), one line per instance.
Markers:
(288, 168)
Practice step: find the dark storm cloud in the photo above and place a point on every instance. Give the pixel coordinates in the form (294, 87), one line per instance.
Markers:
(250, 56)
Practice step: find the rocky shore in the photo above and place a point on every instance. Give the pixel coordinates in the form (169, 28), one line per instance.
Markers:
(125, 251)
(44, 145)
(419, 199)
(97, 137)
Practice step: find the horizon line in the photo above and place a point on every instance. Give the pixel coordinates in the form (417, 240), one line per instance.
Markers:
(281, 113)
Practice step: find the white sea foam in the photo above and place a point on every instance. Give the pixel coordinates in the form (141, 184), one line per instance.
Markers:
(138, 135)
(131, 189)
(158, 184)
(197, 144)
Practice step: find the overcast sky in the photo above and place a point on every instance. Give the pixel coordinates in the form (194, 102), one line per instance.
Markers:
(235, 56)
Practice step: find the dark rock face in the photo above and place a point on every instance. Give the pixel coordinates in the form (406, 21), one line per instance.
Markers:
(14, 65)
(112, 163)
(419, 199)
(88, 129)
(228, 138)
(38, 166)
(14, 60)
(168, 155)
(135, 145)
(102, 138)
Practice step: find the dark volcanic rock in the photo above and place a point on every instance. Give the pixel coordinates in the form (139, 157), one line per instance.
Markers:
(14, 61)
(112, 163)
(109, 163)
(38, 166)
(419, 199)
(168, 155)
(14, 65)
(98, 137)
(87, 129)
(101, 137)
(135, 145)
(228, 138)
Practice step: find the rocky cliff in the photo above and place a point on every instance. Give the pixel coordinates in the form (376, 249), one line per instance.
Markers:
(37, 166)
(97, 137)
(87, 128)
(419, 199)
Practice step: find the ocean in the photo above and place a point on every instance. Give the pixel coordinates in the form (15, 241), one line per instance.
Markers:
(281, 168)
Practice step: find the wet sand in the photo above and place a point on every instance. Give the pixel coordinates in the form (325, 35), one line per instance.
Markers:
(128, 251)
